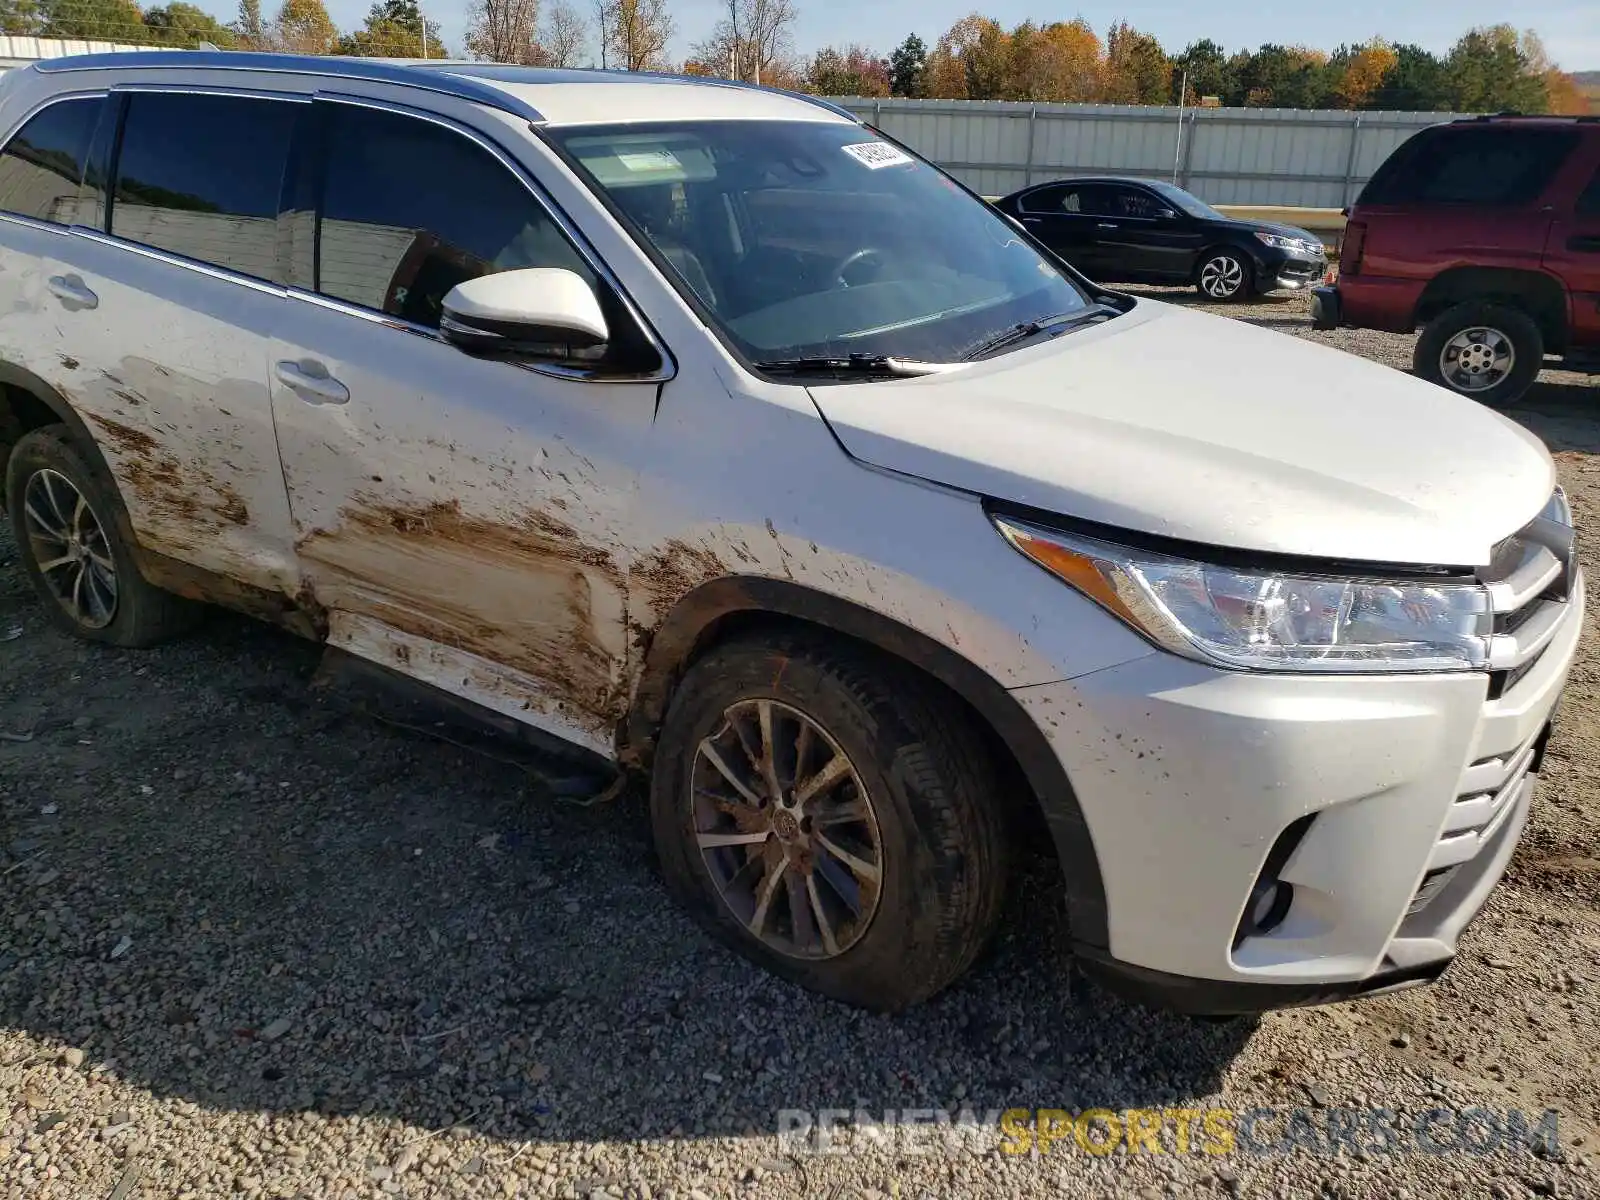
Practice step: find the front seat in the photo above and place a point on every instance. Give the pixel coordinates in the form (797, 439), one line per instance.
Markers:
(655, 211)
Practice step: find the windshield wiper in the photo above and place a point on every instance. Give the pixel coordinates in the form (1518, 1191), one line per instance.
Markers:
(855, 364)
(1024, 330)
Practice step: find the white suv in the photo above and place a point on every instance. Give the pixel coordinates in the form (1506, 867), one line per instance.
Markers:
(721, 436)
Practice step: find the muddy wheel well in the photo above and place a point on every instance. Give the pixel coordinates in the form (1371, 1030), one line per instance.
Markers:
(1024, 819)
(1034, 787)
(1532, 292)
(20, 412)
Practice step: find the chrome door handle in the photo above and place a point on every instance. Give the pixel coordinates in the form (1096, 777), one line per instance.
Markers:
(1032, 220)
(72, 292)
(311, 382)
(1104, 225)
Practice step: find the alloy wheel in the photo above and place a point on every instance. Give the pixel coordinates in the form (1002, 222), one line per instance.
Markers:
(1222, 277)
(787, 830)
(70, 547)
(1477, 359)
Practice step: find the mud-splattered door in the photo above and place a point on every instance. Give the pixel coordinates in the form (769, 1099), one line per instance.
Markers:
(462, 520)
(158, 335)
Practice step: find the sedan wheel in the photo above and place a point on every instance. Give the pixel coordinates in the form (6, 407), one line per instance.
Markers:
(1223, 276)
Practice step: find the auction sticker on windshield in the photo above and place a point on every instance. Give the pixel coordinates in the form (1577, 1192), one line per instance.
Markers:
(876, 154)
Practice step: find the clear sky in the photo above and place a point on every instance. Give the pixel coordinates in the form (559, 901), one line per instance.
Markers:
(1570, 28)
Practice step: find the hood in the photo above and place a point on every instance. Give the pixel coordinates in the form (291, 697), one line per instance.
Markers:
(1186, 425)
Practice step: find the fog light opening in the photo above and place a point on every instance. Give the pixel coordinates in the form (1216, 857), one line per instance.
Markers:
(1269, 905)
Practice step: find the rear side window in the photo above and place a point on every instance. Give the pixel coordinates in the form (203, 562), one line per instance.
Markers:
(200, 175)
(41, 167)
(1494, 167)
(1589, 200)
(410, 209)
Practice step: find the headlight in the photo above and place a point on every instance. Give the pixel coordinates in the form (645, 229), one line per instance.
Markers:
(1262, 620)
(1282, 242)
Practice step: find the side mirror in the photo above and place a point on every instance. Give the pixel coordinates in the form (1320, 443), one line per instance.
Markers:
(1166, 214)
(538, 312)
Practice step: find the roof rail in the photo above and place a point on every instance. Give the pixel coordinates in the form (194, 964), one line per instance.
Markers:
(330, 66)
(1576, 118)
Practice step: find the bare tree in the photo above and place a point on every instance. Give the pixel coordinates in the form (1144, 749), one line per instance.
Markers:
(605, 17)
(637, 33)
(754, 38)
(565, 35)
(504, 30)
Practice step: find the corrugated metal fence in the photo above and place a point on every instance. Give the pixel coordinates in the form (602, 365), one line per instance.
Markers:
(1280, 156)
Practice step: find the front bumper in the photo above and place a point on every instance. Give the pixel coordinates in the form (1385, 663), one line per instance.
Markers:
(1292, 272)
(1401, 799)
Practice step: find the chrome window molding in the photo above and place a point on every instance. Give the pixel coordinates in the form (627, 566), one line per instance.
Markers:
(225, 274)
(461, 87)
(668, 368)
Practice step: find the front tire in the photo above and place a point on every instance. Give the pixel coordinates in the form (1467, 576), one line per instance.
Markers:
(74, 540)
(830, 816)
(1224, 276)
(1488, 352)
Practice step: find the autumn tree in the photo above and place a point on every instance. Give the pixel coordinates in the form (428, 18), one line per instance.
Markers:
(1357, 72)
(1491, 70)
(753, 39)
(20, 17)
(1137, 69)
(1057, 62)
(304, 27)
(104, 20)
(180, 24)
(1415, 83)
(971, 61)
(634, 33)
(853, 71)
(907, 65)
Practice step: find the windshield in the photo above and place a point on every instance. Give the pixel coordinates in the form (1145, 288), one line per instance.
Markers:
(809, 238)
(1186, 202)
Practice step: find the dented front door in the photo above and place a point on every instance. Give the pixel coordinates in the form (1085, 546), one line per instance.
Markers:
(461, 520)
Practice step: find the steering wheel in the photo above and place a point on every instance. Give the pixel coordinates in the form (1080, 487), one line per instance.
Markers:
(854, 257)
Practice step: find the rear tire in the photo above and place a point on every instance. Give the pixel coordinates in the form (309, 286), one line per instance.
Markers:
(912, 769)
(75, 542)
(1225, 276)
(1487, 352)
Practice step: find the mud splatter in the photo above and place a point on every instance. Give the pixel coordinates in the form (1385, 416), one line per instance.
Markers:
(662, 578)
(528, 593)
(69, 362)
(170, 491)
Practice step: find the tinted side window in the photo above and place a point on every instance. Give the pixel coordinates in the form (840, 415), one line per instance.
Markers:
(1045, 200)
(1589, 200)
(1134, 202)
(410, 209)
(42, 166)
(200, 176)
(1491, 166)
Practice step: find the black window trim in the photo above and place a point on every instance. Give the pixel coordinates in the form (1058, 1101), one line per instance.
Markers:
(105, 237)
(668, 365)
(100, 94)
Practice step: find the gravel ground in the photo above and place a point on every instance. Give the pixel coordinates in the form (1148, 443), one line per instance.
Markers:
(256, 942)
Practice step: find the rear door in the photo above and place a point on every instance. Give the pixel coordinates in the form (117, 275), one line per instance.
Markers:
(1063, 217)
(1573, 254)
(166, 298)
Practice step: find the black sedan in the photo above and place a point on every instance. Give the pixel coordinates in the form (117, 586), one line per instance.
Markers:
(1146, 231)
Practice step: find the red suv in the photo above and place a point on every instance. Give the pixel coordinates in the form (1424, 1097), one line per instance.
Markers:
(1486, 233)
